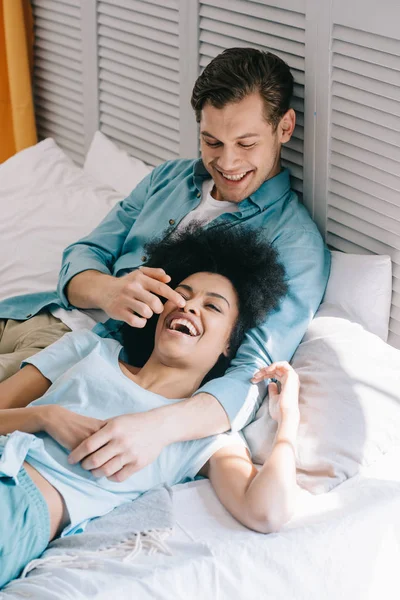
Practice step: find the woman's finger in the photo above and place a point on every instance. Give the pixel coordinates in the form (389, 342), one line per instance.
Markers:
(276, 369)
(273, 390)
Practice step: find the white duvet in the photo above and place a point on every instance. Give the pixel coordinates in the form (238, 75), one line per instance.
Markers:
(343, 545)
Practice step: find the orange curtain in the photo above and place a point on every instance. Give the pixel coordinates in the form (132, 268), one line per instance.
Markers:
(17, 120)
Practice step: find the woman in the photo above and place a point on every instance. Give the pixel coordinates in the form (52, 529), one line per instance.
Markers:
(230, 280)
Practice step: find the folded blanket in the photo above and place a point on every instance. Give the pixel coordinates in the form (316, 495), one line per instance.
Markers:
(125, 532)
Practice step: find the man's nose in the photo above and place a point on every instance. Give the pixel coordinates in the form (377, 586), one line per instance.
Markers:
(228, 158)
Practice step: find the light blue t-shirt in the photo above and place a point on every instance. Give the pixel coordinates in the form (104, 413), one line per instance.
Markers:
(87, 379)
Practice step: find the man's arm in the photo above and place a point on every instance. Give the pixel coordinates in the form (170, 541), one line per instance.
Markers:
(307, 263)
(100, 249)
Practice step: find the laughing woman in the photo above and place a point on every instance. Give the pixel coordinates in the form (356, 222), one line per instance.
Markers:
(230, 280)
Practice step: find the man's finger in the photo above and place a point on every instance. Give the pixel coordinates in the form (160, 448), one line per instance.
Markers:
(98, 459)
(109, 468)
(141, 309)
(154, 273)
(125, 472)
(162, 289)
(90, 445)
(133, 320)
(151, 300)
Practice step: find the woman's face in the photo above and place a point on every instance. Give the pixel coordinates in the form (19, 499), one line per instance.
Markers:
(196, 335)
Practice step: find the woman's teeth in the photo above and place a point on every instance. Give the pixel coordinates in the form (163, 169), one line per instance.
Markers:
(179, 324)
(234, 177)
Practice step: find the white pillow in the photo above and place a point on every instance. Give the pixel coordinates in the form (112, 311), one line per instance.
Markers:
(349, 402)
(46, 203)
(362, 285)
(113, 166)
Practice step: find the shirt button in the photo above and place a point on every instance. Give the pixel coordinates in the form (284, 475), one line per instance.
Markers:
(144, 258)
(171, 222)
(199, 195)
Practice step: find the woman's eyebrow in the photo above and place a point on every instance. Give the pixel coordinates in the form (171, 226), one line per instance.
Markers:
(213, 294)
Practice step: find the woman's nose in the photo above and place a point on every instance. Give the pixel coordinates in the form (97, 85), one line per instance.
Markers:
(191, 307)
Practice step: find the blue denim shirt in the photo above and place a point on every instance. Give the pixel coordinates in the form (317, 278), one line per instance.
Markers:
(159, 203)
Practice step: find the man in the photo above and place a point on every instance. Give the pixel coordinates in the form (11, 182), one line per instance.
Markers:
(241, 101)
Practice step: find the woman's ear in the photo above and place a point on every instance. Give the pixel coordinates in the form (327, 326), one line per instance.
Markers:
(227, 350)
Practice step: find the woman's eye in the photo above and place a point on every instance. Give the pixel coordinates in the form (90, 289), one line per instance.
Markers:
(183, 295)
(214, 307)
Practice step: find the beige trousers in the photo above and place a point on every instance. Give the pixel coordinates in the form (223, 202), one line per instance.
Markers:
(21, 339)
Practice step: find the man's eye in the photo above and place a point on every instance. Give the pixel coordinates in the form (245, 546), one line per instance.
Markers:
(247, 145)
(212, 144)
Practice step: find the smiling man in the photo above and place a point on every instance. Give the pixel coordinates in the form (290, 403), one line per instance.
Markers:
(242, 103)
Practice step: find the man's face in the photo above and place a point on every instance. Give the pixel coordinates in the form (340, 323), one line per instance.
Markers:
(239, 148)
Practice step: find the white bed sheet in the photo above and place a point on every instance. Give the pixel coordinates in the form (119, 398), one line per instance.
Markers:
(344, 545)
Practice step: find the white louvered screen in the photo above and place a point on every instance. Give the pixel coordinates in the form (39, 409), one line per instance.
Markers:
(261, 25)
(138, 46)
(364, 178)
(58, 71)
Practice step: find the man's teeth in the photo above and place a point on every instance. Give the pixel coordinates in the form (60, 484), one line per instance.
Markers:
(235, 177)
(185, 323)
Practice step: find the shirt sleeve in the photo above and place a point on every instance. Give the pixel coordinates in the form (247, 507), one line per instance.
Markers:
(198, 452)
(101, 248)
(63, 354)
(307, 263)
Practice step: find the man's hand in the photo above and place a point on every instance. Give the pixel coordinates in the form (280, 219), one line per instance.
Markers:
(69, 428)
(123, 446)
(134, 298)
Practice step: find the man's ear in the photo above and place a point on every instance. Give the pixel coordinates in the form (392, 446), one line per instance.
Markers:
(286, 126)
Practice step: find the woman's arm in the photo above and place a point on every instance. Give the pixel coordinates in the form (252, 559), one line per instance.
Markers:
(263, 500)
(23, 387)
(16, 393)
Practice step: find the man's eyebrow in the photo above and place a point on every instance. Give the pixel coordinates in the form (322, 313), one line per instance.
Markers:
(213, 294)
(241, 137)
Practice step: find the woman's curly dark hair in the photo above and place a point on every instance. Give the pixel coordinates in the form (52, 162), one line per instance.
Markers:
(240, 254)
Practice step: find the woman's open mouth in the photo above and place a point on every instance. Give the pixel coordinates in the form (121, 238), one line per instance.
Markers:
(182, 326)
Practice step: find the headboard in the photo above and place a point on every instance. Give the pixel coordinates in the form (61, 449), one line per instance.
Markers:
(127, 67)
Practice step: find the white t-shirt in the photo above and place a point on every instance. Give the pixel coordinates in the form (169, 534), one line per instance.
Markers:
(208, 210)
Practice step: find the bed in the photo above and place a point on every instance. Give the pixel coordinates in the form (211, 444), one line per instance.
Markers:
(344, 539)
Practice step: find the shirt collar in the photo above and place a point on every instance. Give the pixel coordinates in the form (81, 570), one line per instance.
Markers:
(269, 192)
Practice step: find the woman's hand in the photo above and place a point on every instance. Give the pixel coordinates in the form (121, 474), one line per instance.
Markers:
(286, 402)
(69, 428)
